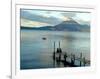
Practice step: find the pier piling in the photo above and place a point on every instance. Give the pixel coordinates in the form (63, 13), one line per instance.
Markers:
(68, 59)
(84, 61)
(54, 51)
(80, 59)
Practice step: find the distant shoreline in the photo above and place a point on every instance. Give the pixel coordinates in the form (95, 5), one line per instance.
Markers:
(36, 29)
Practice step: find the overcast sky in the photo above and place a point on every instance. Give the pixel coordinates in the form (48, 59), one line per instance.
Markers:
(39, 18)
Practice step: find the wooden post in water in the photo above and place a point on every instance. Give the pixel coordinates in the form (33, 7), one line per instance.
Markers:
(54, 51)
(54, 46)
(71, 57)
(65, 56)
(80, 59)
(72, 60)
(59, 44)
(84, 61)
(59, 56)
(60, 50)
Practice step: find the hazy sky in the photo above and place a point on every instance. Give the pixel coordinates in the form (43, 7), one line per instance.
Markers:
(39, 18)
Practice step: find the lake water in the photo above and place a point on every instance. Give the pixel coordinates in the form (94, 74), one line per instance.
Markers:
(36, 53)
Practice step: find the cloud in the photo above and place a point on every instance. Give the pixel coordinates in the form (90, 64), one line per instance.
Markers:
(40, 18)
(83, 18)
(80, 17)
(29, 23)
(54, 17)
(69, 14)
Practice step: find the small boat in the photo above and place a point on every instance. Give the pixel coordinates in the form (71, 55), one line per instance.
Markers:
(44, 38)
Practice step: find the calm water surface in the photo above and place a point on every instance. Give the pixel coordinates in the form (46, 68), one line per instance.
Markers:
(37, 53)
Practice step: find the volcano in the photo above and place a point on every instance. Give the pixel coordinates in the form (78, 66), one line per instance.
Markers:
(69, 25)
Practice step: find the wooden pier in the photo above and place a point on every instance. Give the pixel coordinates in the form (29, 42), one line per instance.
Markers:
(67, 59)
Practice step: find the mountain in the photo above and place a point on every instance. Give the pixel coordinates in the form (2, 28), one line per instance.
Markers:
(70, 25)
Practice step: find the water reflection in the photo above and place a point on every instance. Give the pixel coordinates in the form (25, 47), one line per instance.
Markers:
(37, 53)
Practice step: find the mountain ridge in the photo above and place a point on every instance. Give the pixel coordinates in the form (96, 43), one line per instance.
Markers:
(70, 25)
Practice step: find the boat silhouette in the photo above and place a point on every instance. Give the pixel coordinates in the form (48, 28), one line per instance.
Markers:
(44, 38)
